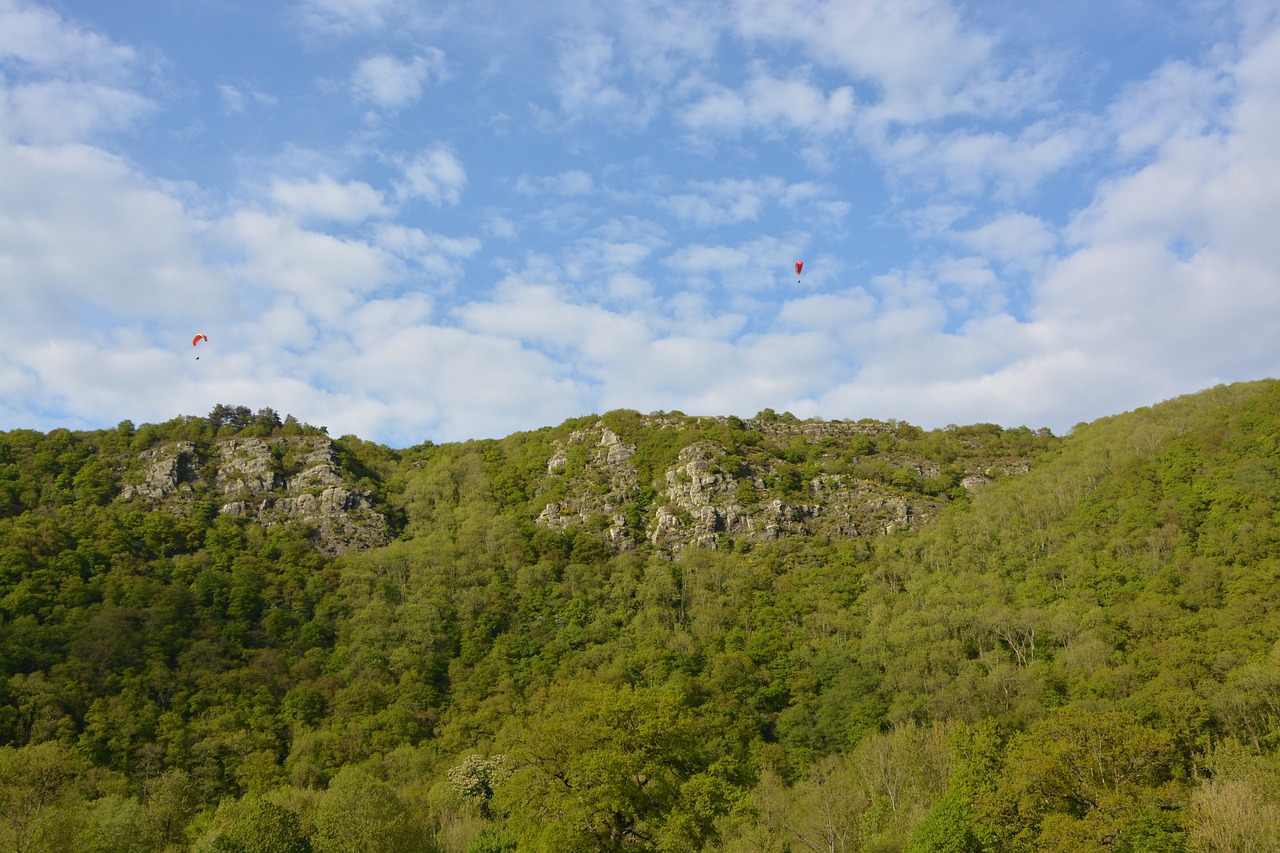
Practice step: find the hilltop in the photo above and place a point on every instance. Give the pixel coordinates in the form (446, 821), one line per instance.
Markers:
(663, 481)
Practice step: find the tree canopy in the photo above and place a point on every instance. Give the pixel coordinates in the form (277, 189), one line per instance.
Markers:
(1081, 656)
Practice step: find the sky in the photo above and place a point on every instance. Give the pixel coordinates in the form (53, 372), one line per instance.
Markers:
(437, 221)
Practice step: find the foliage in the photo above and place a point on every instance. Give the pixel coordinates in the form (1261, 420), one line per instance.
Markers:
(1084, 656)
(254, 825)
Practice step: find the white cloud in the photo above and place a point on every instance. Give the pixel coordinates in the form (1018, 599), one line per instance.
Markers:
(810, 200)
(498, 225)
(59, 111)
(760, 264)
(608, 255)
(709, 204)
(238, 99)
(328, 274)
(982, 163)
(572, 182)
(1012, 237)
(1180, 100)
(435, 255)
(919, 55)
(663, 40)
(67, 84)
(585, 80)
(723, 202)
(1163, 201)
(774, 105)
(828, 312)
(969, 273)
(39, 37)
(466, 384)
(325, 198)
(435, 175)
(390, 82)
(628, 287)
(623, 60)
(85, 239)
(351, 17)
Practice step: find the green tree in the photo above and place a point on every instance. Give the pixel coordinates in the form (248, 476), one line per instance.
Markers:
(112, 826)
(254, 825)
(598, 768)
(474, 779)
(362, 814)
(39, 801)
(1238, 807)
(1079, 780)
(169, 803)
(953, 824)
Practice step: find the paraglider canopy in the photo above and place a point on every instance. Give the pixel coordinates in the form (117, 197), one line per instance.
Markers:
(198, 338)
(799, 266)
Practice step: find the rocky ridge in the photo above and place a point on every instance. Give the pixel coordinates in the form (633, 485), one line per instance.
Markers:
(269, 480)
(662, 481)
(712, 496)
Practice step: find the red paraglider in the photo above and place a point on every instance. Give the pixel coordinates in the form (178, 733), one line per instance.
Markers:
(799, 266)
(197, 339)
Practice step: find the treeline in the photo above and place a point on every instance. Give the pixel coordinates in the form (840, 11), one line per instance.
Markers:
(1082, 658)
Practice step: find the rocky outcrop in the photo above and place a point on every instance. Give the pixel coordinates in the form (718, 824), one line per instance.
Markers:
(166, 471)
(269, 480)
(605, 484)
(710, 497)
(706, 506)
(248, 465)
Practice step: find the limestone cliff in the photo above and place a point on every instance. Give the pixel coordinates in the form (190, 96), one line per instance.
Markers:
(662, 481)
(766, 480)
(269, 480)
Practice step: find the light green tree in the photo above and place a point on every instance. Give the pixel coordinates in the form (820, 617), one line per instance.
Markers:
(1238, 808)
(1079, 780)
(40, 808)
(599, 768)
(953, 825)
(253, 825)
(361, 814)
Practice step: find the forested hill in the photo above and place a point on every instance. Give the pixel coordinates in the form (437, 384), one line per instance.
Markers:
(645, 632)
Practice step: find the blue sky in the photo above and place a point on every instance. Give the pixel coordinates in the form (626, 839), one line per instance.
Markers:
(437, 221)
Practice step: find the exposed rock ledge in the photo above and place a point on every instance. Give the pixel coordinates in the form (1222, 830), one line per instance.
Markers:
(272, 481)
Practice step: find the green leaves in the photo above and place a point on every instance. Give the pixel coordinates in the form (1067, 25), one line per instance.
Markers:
(360, 814)
(613, 769)
(1078, 778)
(253, 825)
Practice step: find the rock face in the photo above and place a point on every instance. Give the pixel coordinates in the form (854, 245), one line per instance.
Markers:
(707, 504)
(606, 485)
(711, 497)
(167, 471)
(271, 481)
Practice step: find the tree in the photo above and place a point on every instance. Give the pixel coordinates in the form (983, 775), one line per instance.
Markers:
(953, 825)
(1079, 780)
(826, 809)
(253, 825)
(1238, 808)
(361, 814)
(113, 826)
(38, 799)
(474, 779)
(597, 768)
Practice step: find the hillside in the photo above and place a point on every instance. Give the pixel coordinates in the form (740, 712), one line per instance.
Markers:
(645, 632)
